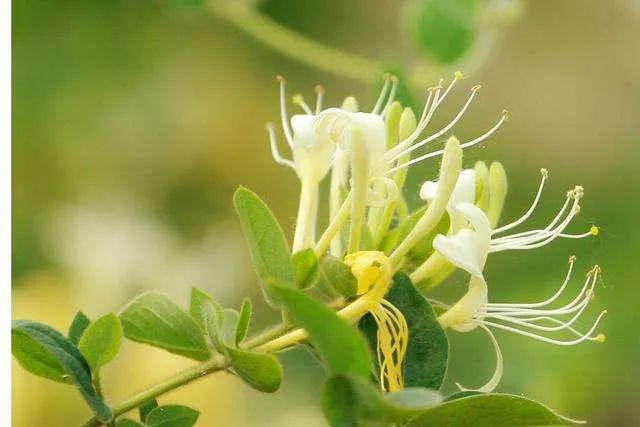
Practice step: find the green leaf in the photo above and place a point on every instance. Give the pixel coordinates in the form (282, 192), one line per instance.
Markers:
(341, 346)
(44, 351)
(269, 248)
(206, 312)
(145, 408)
(172, 416)
(425, 362)
(127, 422)
(338, 274)
(305, 264)
(101, 341)
(77, 327)
(461, 394)
(490, 410)
(229, 328)
(443, 29)
(347, 400)
(261, 371)
(152, 318)
(243, 322)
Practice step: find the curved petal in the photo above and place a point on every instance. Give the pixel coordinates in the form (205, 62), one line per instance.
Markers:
(464, 192)
(497, 373)
(464, 249)
(478, 219)
(461, 316)
(312, 148)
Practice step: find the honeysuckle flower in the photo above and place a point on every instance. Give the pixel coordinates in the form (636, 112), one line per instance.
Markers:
(468, 249)
(313, 153)
(463, 192)
(373, 272)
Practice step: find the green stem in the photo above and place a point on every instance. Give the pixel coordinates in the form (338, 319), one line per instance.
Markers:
(293, 44)
(214, 364)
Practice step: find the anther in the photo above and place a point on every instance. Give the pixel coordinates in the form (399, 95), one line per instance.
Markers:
(544, 172)
(458, 75)
(572, 259)
(319, 89)
(595, 230)
(281, 79)
(506, 115)
(600, 338)
(297, 99)
(476, 88)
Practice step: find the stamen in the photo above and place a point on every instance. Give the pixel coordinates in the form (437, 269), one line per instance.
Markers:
(523, 218)
(548, 301)
(283, 111)
(299, 101)
(392, 95)
(440, 132)
(382, 96)
(465, 145)
(392, 339)
(274, 147)
(319, 97)
(497, 373)
(585, 337)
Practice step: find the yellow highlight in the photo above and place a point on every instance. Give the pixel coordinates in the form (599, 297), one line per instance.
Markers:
(601, 338)
(595, 230)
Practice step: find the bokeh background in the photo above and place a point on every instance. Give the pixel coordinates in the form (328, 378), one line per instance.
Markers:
(133, 123)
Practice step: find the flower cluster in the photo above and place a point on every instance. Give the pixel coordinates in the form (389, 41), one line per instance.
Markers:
(366, 156)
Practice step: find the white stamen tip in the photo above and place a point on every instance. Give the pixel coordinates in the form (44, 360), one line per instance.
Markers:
(458, 75)
(506, 115)
(476, 88)
(319, 89)
(544, 172)
(281, 79)
(572, 259)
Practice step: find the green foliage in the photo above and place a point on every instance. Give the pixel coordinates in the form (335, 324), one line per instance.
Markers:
(44, 351)
(244, 321)
(269, 248)
(428, 348)
(261, 371)
(101, 341)
(338, 275)
(77, 327)
(490, 410)
(305, 264)
(206, 312)
(351, 401)
(147, 407)
(341, 347)
(443, 29)
(227, 331)
(152, 318)
(172, 416)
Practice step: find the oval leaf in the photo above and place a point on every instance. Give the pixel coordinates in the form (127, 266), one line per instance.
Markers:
(52, 345)
(261, 371)
(338, 275)
(145, 408)
(490, 410)
(77, 327)
(101, 341)
(243, 322)
(172, 416)
(154, 319)
(342, 347)
(348, 400)
(269, 248)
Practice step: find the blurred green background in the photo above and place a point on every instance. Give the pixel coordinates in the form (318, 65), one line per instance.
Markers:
(133, 123)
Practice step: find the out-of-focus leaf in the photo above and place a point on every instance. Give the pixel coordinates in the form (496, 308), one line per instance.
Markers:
(152, 318)
(44, 351)
(305, 263)
(146, 407)
(77, 327)
(342, 347)
(425, 362)
(443, 29)
(243, 321)
(352, 401)
(490, 410)
(269, 248)
(261, 371)
(229, 328)
(461, 394)
(100, 342)
(338, 274)
(172, 416)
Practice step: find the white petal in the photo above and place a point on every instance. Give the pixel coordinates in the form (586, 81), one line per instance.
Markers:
(428, 190)
(478, 219)
(497, 373)
(464, 249)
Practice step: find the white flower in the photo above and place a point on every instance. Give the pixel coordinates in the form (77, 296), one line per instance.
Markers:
(469, 248)
(464, 192)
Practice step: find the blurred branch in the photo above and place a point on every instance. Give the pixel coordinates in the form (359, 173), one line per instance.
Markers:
(293, 44)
